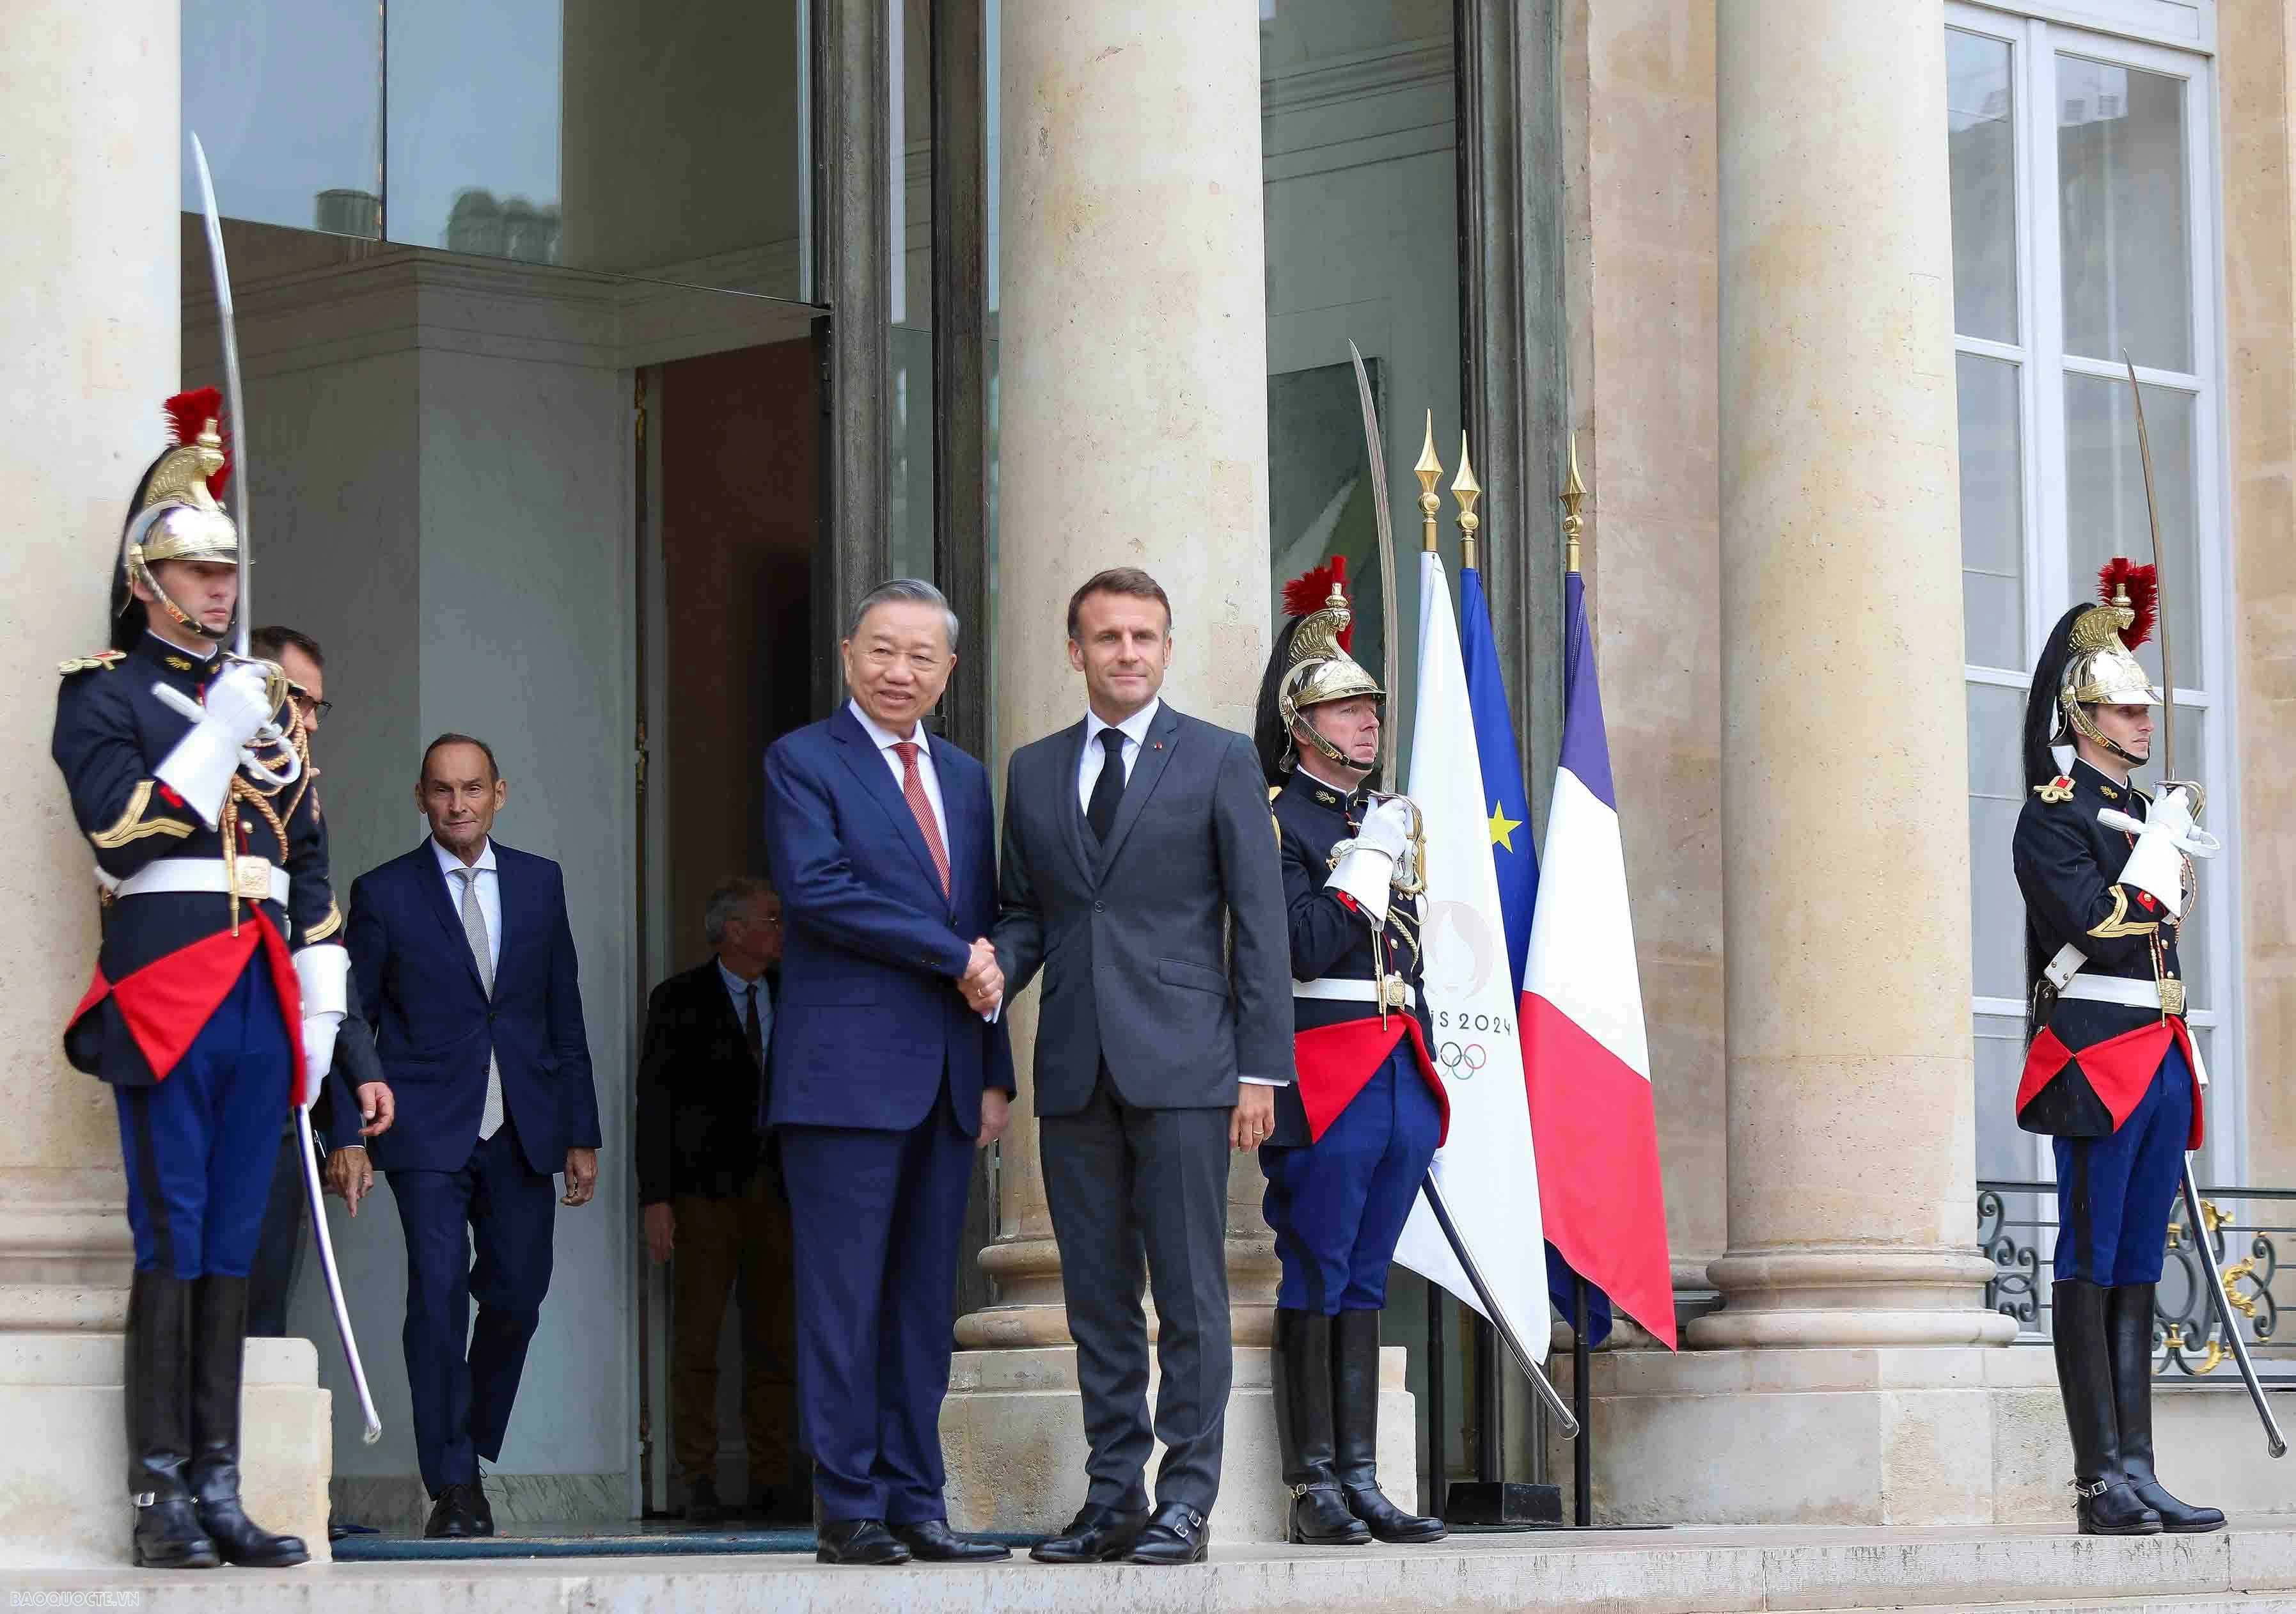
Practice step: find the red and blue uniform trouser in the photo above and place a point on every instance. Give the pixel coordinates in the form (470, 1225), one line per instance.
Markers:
(1338, 1205)
(2114, 1193)
(200, 1143)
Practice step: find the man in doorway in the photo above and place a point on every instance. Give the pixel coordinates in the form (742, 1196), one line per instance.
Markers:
(1140, 873)
(707, 1196)
(888, 1069)
(464, 949)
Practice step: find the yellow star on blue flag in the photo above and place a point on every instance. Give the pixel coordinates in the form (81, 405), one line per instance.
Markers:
(1503, 828)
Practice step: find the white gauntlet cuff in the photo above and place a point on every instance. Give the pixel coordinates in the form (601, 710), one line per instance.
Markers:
(321, 972)
(200, 770)
(2157, 865)
(1366, 876)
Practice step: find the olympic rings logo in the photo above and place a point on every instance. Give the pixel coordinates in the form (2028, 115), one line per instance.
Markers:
(1463, 1062)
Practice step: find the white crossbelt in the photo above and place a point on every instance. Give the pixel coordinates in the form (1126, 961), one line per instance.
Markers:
(257, 879)
(2113, 989)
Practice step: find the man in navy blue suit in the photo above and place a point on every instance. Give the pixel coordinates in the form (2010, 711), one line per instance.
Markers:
(462, 951)
(888, 1070)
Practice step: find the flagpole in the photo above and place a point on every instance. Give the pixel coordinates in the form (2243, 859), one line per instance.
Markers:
(1574, 493)
(1582, 1353)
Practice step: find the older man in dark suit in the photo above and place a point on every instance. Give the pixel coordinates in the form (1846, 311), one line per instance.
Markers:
(1141, 873)
(885, 1072)
(462, 951)
(705, 1198)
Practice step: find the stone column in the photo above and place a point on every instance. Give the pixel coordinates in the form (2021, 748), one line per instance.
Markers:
(1846, 852)
(1134, 432)
(89, 330)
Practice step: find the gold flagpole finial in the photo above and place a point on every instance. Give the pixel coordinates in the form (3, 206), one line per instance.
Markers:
(1574, 493)
(1467, 490)
(1429, 470)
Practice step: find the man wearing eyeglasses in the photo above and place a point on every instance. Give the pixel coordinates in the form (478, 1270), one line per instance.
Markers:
(356, 1076)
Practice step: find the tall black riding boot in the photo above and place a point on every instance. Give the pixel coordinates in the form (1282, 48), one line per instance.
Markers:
(2129, 1330)
(2107, 1506)
(1302, 1365)
(157, 1373)
(218, 1344)
(1355, 1420)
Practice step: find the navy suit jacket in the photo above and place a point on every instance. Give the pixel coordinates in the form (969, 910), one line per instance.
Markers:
(870, 1020)
(434, 1026)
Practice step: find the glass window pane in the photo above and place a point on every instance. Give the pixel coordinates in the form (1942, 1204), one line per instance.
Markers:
(475, 136)
(286, 95)
(2104, 502)
(1980, 142)
(2120, 209)
(1996, 793)
(1992, 512)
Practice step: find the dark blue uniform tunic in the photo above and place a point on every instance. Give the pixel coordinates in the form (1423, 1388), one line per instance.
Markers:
(197, 1029)
(2109, 1082)
(1337, 1204)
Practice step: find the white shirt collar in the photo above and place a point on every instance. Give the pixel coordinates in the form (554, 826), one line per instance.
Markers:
(449, 863)
(1134, 727)
(733, 983)
(884, 738)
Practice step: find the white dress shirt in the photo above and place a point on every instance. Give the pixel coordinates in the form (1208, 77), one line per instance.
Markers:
(885, 740)
(737, 989)
(489, 894)
(1134, 730)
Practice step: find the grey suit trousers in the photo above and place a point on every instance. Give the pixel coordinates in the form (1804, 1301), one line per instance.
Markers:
(1128, 1185)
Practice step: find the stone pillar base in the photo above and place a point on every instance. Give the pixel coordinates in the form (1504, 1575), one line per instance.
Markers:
(1013, 1432)
(1938, 1436)
(63, 1492)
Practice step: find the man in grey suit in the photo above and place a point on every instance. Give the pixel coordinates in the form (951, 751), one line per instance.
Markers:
(1141, 873)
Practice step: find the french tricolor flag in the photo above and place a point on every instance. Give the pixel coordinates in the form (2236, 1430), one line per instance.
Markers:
(1585, 1058)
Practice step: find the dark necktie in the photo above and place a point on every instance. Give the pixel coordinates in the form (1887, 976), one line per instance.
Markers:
(1108, 789)
(750, 1028)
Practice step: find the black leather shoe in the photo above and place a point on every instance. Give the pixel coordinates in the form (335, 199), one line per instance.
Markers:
(156, 1373)
(218, 1352)
(2107, 1506)
(1098, 1534)
(702, 1504)
(857, 1541)
(1176, 1534)
(932, 1541)
(1355, 1423)
(455, 1515)
(2129, 1333)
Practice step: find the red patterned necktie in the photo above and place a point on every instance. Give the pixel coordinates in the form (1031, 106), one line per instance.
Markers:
(913, 788)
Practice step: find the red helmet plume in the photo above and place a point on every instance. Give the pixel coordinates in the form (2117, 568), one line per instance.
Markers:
(1307, 592)
(188, 414)
(2143, 587)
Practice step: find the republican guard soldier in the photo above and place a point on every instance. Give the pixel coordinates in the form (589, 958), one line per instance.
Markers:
(1354, 1135)
(2112, 1075)
(219, 983)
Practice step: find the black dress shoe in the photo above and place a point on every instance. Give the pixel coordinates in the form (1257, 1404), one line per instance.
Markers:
(857, 1541)
(1176, 1534)
(702, 1504)
(1098, 1534)
(932, 1541)
(455, 1515)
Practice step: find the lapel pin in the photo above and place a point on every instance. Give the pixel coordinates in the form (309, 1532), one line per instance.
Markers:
(1159, 745)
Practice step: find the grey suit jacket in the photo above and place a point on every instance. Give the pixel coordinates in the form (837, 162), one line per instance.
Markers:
(1165, 952)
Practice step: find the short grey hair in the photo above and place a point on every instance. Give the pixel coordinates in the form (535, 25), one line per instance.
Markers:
(730, 898)
(913, 589)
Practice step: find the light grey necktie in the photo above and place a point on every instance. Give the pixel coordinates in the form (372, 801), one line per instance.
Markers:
(474, 932)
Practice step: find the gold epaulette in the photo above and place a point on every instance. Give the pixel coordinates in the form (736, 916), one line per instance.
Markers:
(2058, 789)
(89, 663)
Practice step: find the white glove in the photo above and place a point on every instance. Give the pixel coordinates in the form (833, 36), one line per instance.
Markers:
(2157, 863)
(321, 972)
(199, 767)
(1386, 827)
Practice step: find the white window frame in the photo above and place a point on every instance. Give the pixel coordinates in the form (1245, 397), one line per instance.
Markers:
(2177, 41)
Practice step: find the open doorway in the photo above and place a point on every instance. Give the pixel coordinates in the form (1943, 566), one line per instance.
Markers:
(455, 488)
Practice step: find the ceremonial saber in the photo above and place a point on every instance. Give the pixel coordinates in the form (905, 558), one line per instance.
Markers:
(235, 404)
(1391, 652)
(1556, 1405)
(2273, 1441)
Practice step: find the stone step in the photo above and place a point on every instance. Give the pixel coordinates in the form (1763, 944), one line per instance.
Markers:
(1794, 1571)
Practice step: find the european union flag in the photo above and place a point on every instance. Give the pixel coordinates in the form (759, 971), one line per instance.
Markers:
(1511, 853)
